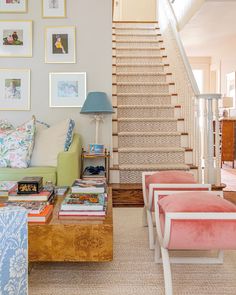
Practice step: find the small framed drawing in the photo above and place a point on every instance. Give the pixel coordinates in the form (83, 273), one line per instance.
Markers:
(67, 89)
(230, 84)
(14, 89)
(54, 8)
(13, 6)
(97, 149)
(15, 38)
(60, 45)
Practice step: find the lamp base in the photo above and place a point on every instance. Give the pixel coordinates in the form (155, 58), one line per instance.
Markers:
(98, 119)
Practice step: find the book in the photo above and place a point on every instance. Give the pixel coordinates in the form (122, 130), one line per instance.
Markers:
(61, 190)
(74, 213)
(88, 186)
(81, 217)
(42, 217)
(31, 207)
(84, 202)
(5, 186)
(44, 195)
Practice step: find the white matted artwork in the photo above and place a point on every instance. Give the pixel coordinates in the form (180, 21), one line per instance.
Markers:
(13, 6)
(230, 84)
(67, 89)
(54, 8)
(15, 38)
(60, 45)
(14, 89)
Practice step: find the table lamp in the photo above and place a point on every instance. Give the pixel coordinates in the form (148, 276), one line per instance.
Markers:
(97, 104)
(227, 103)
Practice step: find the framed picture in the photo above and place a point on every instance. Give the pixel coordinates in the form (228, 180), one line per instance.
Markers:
(60, 45)
(230, 84)
(16, 38)
(14, 89)
(13, 6)
(67, 89)
(97, 149)
(54, 8)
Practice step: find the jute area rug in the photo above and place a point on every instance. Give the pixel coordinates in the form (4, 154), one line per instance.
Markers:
(133, 271)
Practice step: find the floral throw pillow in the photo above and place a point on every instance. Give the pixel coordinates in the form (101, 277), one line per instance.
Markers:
(16, 145)
(5, 125)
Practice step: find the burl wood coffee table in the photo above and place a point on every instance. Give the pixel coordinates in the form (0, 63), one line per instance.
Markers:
(72, 240)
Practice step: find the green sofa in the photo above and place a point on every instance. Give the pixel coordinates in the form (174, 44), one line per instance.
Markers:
(67, 170)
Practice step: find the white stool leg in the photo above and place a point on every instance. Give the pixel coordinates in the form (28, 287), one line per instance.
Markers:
(157, 255)
(144, 216)
(167, 271)
(150, 230)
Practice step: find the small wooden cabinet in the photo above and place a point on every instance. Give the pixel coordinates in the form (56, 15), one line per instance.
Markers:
(228, 128)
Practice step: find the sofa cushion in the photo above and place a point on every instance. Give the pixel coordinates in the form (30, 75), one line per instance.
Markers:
(170, 177)
(6, 125)
(49, 142)
(16, 145)
(14, 174)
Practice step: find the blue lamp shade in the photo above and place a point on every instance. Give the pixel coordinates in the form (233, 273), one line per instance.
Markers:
(95, 103)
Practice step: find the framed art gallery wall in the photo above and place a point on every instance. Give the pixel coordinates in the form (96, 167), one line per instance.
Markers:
(93, 45)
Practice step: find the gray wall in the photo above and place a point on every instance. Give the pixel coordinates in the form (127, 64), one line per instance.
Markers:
(93, 21)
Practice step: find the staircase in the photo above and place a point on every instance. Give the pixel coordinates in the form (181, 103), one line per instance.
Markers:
(149, 131)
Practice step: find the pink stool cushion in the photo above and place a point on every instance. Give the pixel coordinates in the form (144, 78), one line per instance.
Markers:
(170, 177)
(199, 234)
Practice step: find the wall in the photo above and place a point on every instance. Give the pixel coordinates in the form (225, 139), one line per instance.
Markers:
(135, 10)
(93, 21)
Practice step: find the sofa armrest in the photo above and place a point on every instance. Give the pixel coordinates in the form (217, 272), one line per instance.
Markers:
(68, 163)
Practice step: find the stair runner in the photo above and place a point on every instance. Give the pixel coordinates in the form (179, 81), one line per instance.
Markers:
(149, 137)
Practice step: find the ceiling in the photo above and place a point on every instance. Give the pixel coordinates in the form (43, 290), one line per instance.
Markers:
(212, 30)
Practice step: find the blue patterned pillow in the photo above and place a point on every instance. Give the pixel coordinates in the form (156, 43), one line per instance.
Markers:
(69, 135)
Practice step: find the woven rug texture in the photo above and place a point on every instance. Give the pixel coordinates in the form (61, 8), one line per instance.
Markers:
(133, 271)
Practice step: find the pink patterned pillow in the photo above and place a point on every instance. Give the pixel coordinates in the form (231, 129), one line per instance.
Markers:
(170, 177)
(16, 145)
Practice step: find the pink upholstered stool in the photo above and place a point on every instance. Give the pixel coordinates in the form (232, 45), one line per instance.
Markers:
(164, 180)
(192, 221)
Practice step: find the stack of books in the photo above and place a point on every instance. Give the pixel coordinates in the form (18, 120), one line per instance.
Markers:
(88, 200)
(30, 194)
(5, 186)
(82, 205)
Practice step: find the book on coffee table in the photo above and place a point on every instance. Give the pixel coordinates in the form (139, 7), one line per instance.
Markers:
(43, 216)
(44, 195)
(88, 186)
(5, 186)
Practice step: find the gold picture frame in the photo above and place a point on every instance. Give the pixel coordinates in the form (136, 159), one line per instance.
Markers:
(54, 12)
(16, 7)
(16, 38)
(16, 92)
(60, 44)
(67, 89)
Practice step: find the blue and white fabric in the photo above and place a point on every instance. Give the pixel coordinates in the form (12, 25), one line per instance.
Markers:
(13, 251)
(69, 135)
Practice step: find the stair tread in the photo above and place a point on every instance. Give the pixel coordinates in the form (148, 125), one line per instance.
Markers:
(138, 41)
(142, 73)
(151, 167)
(147, 119)
(138, 56)
(141, 64)
(138, 35)
(150, 149)
(143, 83)
(146, 94)
(147, 106)
(137, 48)
(150, 133)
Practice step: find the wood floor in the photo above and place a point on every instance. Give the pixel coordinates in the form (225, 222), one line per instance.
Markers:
(130, 195)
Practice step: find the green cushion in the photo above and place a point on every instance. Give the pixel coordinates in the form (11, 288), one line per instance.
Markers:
(48, 173)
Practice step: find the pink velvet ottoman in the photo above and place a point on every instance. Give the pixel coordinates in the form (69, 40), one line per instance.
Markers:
(192, 221)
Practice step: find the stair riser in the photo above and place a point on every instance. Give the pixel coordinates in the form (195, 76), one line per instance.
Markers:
(149, 158)
(140, 78)
(117, 176)
(135, 31)
(138, 44)
(128, 38)
(143, 100)
(135, 59)
(148, 113)
(133, 25)
(144, 69)
(148, 126)
(142, 89)
(136, 52)
(150, 141)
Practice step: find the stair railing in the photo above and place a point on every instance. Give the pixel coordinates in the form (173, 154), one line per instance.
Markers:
(199, 111)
